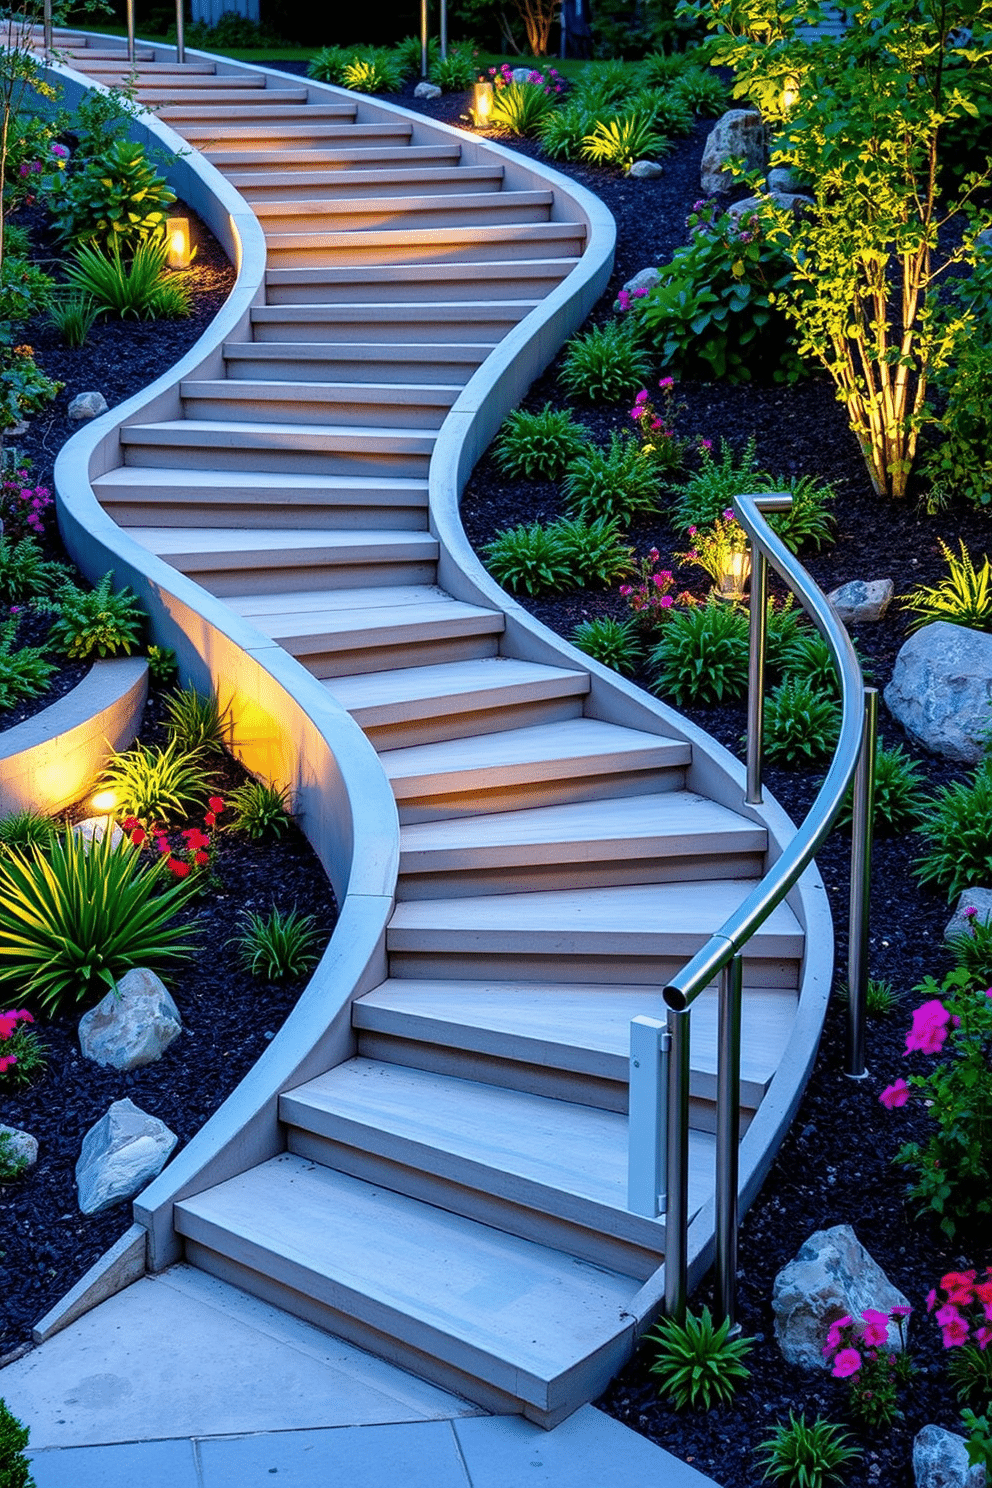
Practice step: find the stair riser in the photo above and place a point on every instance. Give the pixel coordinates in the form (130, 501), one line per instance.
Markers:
(482, 330)
(377, 370)
(263, 189)
(483, 797)
(636, 865)
(323, 290)
(387, 658)
(119, 69)
(378, 215)
(263, 136)
(454, 721)
(363, 462)
(492, 244)
(263, 516)
(338, 157)
(387, 414)
(315, 575)
(235, 100)
(565, 965)
(597, 1248)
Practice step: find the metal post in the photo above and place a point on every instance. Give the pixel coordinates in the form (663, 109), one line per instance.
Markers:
(130, 31)
(564, 28)
(47, 26)
(857, 945)
(444, 29)
(756, 674)
(677, 1178)
(423, 38)
(647, 1118)
(728, 1136)
(180, 39)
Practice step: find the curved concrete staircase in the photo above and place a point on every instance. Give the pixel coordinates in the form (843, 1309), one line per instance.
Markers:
(455, 1195)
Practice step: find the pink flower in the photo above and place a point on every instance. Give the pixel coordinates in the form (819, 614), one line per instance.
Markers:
(638, 294)
(60, 152)
(970, 912)
(835, 1334)
(947, 1315)
(876, 1332)
(215, 803)
(706, 444)
(623, 300)
(847, 1362)
(901, 1311)
(959, 1286)
(667, 382)
(955, 1333)
(895, 1095)
(929, 1029)
(6, 1061)
(983, 1336)
(666, 601)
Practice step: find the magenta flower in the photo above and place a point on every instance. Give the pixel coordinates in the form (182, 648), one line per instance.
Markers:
(667, 382)
(895, 1095)
(955, 1333)
(835, 1334)
(847, 1362)
(929, 1030)
(876, 1333)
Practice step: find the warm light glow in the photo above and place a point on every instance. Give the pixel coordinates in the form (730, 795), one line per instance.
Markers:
(177, 233)
(733, 575)
(482, 103)
(790, 92)
(104, 801)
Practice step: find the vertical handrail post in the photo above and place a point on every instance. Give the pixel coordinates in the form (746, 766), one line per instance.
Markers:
(677, 1177)
(857, 944)
(756, 674)
(728, 1136)
(444, 30)
(647, 1116)
(180, 34)
(423, 38)
(47, 26)
(130, 31)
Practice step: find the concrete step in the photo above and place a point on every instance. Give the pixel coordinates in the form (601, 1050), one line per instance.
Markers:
(422, 704)
(481, 322)
(324, 180)
(100, 64)
(373, 629)
(508, 1323)
(262, 135)
(658, 838)
(306, 449)
(634, 933)
(93, 56)
(570, 1041)
(365, 362)
(508, 279)
(275, 113)
(389, 405)
(140, 497)
(550, 1171)
(362, 158)
(177, 79)
(578, 759)
(231, 561)
(428, 244)
(370, 214)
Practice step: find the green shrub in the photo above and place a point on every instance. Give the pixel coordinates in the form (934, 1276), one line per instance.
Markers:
(520, 108)
(25, 289)
(407, 54)
(232, 31)
(617, 483)
(899, 800)
(665, 109)
(101, 120)
(605, 363)
(662, 69)
(698, 1364)
(140, 286)
(563, 130)
(25, 671)
(374, 73)
(457, 71)
(22, 1054)
(24, 388)
(117, 197)
(539, 446)
(956, 826)
(26, 828)
(156, 784)
(259, 809)
(715, 486)
(163, 669)
(702, 655)
(961, 462)
(196, 722)
(328, 65)
(963, 598)
(806, 1456)
(801, 725)
(12, 1166)
(25, 573)
(594, 550)
(613, 643)
(529, 559)
(881, 998)
(702, 92)
(76, 916)
(969, 1370)
(622, 140)
(972, 951)
(73, 318)
(96, 621)
(277, 945)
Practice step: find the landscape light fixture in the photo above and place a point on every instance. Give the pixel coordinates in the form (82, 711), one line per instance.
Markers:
(177, 236)
(104, 802)
(482, 103)
(733, 574)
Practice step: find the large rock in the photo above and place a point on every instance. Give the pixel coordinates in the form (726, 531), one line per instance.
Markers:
(940, 1460)
(21, 1146)
(782, 178)
(126, 1149)
(644, 279)
(521, 75)
(646, 170)
(87, 406)
(94, 828)
(862, 601)
(831, 1277)
(133, 1025)
(788, 201)
(427, 90)
(737, 134)
(972, 905)
(941, 689)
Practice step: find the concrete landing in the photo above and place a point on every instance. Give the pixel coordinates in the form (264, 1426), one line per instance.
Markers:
(182, 1381)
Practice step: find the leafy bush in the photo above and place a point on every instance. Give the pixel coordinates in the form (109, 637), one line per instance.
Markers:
(972, 951)
(101, 120)
(703, 654)
(563, 130)
(961, 463)
(806, 1456)
(702, 92)
(25, 828)
(520, 108)
(329, 63)
(278, 945)
(611, 642)
(73, 318)
(457, 71)
(24, 388)
(22, 1053)
(155, 784)
(713, 314)
(408, 55)
(956, 825)
(623, 140)
(117, 197)
(12, 1165)
(616, 483)
(140, 286)
(594, 550)
(24, 670)
(698, 1364)
(715, 486)
(665, 110)
(196, 723)
(376, 73)
(605, 363)
(231, 31)
(529, 559)
(25, 573)
(163, 669)
(963, 598)
(96, 620)
(801, 725)
(25, 289)
(899, 800)
(76, 916)
(604, 85)
(539, 446)
(260, 809)
(15, 1471)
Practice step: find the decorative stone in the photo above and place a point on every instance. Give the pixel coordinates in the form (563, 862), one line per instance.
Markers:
(87, 406)
(427, 90)
(132, 1026)
(21, 1146)
(862, 601)
(521, 74)
(94, 829)
(792, 202)
(984, 239)
(645, 170)
(977, 899)
(940, 1460)
(737, 134)
(832, 1276)
(123, 1152)
(781, 178)
(941, 688)
(646, 279)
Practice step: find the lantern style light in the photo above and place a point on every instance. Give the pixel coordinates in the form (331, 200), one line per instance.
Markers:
(482, 103)
(104, 802)
(733, 574)
(177, 237)
(790, 91)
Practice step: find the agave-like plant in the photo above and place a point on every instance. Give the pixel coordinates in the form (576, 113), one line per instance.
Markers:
(623, 140)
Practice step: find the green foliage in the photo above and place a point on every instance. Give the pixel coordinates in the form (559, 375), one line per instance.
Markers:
(801, 725)
(899, 800)
(101, 120)
(539, 446)
(605, 363)
(802, 1455)
(957, 828)
(376, 72)
(163, 669)
(594, 550)
(605, 86)
(715, 486)
(116, 198)
(972, 951)
(963, 598)
(702, 92)
(979, 1443)
(25, 828)
(665, 109)
(140, 286)
(622, 140)
(25, 290)
(702, 654)
(698, 1364)
(408, 55)
(25, 573)
(259, 809)
(969, 1370)
(616, 483)
(76, 916)
(27, 1057)
(881, 998)
(73, 318)
(156, 784)
(96, 621)
(457, 71)
(520, 108)
(328, 65)
(536, 559)
(24, 670)
(611, 642)
(961, 462)
(24, 388)
(278, 945)
(563, 130)
(196, 723)
(11, 1167)
(231, 32)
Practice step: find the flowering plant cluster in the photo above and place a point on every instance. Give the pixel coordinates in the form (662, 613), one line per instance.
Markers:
(962, 1309)
(8, 1027)
(714, 548)
(193, 856)
(626, 298)
(22, 1054)
(657, 430)
(649, 596)
(860, 1354)
(551, 81)
(23, 505)
(953, 1169)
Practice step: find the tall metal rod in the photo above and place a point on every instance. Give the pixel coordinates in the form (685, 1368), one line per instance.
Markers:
(444, 29)
(423, 38)
(180, 38)
(47, 26)
(756, 674)
(130, 31)
(728, 1136)
(857, 945)
(677, 1182)
(564, 28)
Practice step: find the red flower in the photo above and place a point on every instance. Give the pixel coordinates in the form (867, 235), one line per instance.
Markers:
(210, 819)
(137, 836)
(129, 823)
(178, 868)
(201, 858)
(215, 803)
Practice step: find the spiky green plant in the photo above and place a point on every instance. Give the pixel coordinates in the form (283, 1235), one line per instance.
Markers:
(96, 620)
(260, 809)
(140, 286)
(702, 654)
(617, 483)
(279, 945)
(964, 597)
(157, 784)
(623, 140)
(697, 1363)
(802, 725)
(806, 1456)
(611, 642)
(26, 828)
(539, 445)
(520, 108)
(956, 826)
(196, 722)
(606, 363)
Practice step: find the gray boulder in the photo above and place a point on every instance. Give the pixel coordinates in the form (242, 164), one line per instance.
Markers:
(123, 1152)
(87, 406)
(133, 1025)
(940, 1460)
(21, 1146)
(645, 170)
(521, 74)
(941, 689)
(427, 90)
(789, 202)
(862, 601)
(94, 829)
(781, 178)
(737, 134)
(960, 923)
(832, 1276)
(646, 279)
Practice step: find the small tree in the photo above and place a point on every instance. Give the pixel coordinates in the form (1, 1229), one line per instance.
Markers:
(862, 117)
(538, 17)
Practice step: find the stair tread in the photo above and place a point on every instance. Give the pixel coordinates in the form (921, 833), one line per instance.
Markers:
(247, 389)
(370, 206)
(400, 176)
(376, 625)
(381, 695)
(300, 541)
(188, 480)
(372, 351)
(393, 310)
(239, 433)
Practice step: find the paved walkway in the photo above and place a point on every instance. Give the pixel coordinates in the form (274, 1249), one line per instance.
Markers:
(184, 1382)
